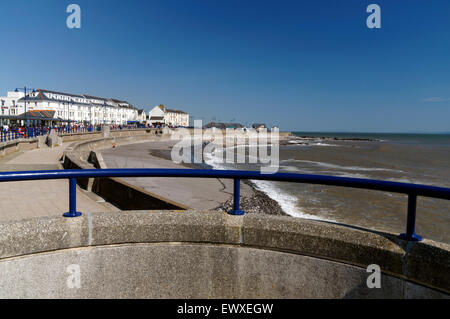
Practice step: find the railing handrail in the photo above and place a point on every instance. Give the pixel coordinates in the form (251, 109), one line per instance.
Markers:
(371, 184)
(412, 190)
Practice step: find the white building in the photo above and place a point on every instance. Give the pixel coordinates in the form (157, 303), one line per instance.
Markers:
(71, 107)
(156, 116)
(161, 115)
(8, 103)
(177, 118)
(141, 117)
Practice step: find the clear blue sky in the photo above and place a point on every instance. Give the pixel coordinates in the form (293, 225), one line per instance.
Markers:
(302, 65)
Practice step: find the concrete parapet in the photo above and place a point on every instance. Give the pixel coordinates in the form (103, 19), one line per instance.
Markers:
(195, 254)
(81, 136)
(9, 147)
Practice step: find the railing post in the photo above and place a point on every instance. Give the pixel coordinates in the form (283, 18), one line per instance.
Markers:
(72, 199)
(410, 234)
(237, 196)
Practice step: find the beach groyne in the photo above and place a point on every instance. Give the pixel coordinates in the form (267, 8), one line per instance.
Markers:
(193, 254)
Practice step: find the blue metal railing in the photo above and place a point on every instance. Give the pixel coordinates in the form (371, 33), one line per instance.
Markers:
(411, 190)
(17, 133)
(32, 132)
(94, 128)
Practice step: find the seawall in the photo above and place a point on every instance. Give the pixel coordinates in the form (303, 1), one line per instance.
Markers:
(192, 254)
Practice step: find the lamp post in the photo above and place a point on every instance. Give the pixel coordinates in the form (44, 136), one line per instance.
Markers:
(68, 115)
(25, 101)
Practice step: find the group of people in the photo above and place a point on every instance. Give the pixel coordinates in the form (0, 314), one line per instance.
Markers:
(16, 128)
(13, 132)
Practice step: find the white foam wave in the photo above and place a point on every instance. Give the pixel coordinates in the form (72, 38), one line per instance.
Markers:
(325, 144)
(286, 201)
(406, 180)
(353, 175)
(290, 168)
(214, 160)
(341, 167)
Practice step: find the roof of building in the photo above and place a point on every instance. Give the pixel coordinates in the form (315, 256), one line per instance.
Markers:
(257, 125)
(175, 111)
(223, 125)
(62, 93)
(123, 102)
(105, 101)
(38, 115)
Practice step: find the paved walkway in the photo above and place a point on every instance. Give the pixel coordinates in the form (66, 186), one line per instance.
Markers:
(197, 193)
(27, 199)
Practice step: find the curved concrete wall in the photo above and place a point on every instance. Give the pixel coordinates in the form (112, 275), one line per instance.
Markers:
(82, 155)
(211, 255)
(9, 147)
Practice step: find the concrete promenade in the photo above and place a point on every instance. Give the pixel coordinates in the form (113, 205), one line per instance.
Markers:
(196, 193)
(27, 199)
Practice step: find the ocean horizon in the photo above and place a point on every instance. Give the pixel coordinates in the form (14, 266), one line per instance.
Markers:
(427, 138)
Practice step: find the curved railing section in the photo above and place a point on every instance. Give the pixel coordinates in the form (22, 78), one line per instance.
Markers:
(411, 190)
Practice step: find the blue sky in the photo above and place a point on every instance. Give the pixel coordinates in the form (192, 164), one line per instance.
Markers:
(301, 65)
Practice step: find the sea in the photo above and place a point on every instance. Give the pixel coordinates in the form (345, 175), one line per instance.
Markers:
(410, 158)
